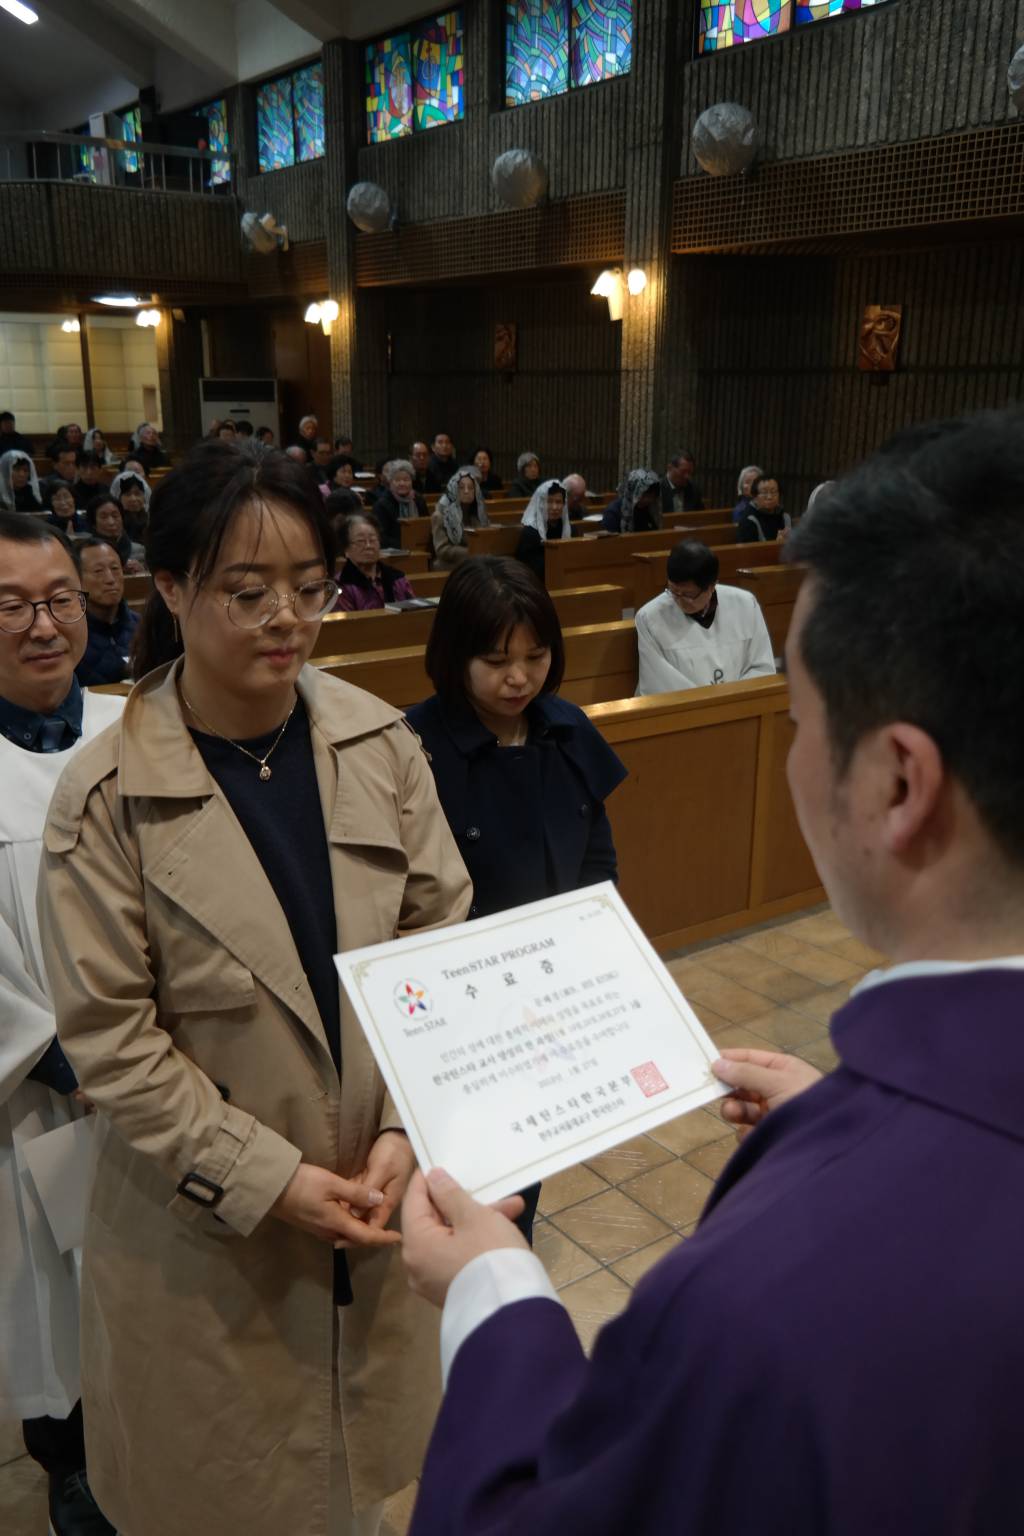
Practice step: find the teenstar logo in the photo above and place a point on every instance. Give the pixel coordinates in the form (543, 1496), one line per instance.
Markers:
(412, 999)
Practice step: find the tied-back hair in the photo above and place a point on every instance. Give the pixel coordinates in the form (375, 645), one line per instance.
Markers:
(190, 514)
(481, 603)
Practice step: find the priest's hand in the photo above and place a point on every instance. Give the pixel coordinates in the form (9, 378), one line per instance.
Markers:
(443, 1228)
(760, 1081)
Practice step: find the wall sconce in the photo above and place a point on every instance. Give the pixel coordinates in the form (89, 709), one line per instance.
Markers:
(636, 281)
(148, 317)
(612, 286)
(323, 315)
(71, 325)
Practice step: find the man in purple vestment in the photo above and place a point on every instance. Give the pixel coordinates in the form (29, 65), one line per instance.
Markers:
(838, 1351)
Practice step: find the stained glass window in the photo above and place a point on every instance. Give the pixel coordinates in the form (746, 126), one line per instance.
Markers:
(551, 45)
(388, 88)
(217, 140)
(602, 40)
(308, 107)
(437, 70)
(415, 79)
(275, 132)
(725, 22)
(131, 132)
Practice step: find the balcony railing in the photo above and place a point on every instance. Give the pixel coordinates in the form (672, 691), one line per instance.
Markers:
(81, 158)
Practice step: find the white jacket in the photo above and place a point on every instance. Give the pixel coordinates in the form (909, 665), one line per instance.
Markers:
(677, 652)
(38, 1284)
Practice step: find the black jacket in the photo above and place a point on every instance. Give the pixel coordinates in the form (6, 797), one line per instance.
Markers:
(439, 472)
(106, 648)
(529, 821)
(689, 495)
(387, 509)
(762, 527)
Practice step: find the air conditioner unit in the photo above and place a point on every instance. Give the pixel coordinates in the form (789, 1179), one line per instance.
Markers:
(253, 400)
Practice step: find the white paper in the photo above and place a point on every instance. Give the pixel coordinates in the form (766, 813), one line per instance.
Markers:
(61, 1163)
(520, 1044)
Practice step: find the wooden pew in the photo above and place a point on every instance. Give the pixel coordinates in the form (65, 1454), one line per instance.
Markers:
(775, 587)
(697, 519)
(704, 825)
(600, 663)
(583, 560)
(499, 539)
(352, 634)
(649, 564)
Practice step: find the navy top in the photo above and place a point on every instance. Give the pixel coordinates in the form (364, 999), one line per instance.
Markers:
(529, 821)
(44, 733)
(107, 648)
(283, 820)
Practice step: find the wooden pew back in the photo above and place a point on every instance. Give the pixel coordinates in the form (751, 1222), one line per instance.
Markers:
(649, 574)
(776, 588)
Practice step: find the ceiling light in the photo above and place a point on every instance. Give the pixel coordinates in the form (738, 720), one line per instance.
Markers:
(71, 326)
(24, 13)
(119, 300)
(636, 281)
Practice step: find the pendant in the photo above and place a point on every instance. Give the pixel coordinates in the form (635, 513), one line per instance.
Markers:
(264, 773)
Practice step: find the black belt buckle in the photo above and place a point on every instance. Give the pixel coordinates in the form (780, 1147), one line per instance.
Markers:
(188, 1189)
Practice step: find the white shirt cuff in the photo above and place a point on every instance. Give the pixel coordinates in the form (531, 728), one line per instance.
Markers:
(488, 1283)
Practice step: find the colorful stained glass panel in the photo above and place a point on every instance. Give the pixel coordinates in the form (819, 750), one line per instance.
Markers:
(217, 141)
(715, 25)
(438, 63)
(388, 88)
(536, 50)
(601, 40)
(274, 132)
(753, 19)
(725, 22)
(308, 109)
(131, 132)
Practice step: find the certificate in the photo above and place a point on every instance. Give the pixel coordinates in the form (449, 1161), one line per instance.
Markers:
(519, 1044)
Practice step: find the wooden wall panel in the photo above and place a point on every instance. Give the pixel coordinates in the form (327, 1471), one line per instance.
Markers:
(768, 345)
(562, 403)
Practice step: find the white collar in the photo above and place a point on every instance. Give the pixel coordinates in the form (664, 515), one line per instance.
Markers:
(911, 969)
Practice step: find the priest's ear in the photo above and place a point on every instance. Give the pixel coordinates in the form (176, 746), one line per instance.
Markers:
(914, 790)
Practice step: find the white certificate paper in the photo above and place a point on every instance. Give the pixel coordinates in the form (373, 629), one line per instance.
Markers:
(519, 1044)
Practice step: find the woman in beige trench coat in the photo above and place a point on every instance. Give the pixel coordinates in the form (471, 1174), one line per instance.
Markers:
(233, 1157)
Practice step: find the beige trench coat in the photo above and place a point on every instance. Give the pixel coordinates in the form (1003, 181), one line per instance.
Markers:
(180, 1000)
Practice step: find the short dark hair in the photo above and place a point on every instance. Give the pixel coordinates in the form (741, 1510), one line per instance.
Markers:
(333, 465)
(342, 502)
(244, 428)
(22, 528)
(91, 459)
(442, 432)
(347, 527)
(917, 565)
(343, 441)
(763, 480)
(81, 545)
(93, 505)
(6, 415)
(57, 484)
(262, 432)
(690, 560)
(61, 448)
(481, 603)
(681, 456)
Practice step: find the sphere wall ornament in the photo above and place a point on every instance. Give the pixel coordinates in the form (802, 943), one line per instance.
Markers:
(725, 139)
(1015, 80)
(520, 179)
(369, 208)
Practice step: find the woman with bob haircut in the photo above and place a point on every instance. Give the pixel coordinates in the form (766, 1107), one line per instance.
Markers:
(522, 775)
(248, 1338)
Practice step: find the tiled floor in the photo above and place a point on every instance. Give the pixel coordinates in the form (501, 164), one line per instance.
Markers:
(603, 1224)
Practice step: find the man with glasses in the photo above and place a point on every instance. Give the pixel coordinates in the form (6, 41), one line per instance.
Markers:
(44, 719)
(697, 633)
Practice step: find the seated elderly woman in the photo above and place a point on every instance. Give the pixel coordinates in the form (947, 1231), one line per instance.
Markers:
(744, 486)
(546, 518)
(527, 475)
(398, 500)
(19, 483)
(95, 442)
(132, 493)
(459, 510)
(104, 520)
(147, 448)
(637, 508)
(365, 581)
(765, 521)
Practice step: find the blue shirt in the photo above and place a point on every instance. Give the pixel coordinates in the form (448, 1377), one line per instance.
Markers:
(35, 732)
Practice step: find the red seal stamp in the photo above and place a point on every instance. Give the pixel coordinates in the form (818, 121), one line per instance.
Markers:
(649, 1080)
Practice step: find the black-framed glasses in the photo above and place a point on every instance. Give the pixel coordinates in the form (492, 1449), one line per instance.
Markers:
(19, 613)
(253, 607)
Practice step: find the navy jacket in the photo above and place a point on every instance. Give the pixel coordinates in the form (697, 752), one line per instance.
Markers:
(529, 821)
(690, 495)
(836, 1352)
(107, 647)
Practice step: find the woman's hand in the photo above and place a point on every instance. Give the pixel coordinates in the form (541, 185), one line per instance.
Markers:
(760, 1082)
(389, 1167)
(317, 1201)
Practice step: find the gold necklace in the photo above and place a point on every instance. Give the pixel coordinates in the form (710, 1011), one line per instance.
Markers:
(265, 771)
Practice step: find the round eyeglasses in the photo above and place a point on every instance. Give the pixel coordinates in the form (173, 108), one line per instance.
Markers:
(18, 613)
(253, 607)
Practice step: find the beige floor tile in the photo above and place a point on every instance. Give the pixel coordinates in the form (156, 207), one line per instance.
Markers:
(727, 998)
(23, 1498)
(687, 1132)
(822, 928)
(713, 1158)
(713, 1022)
(628, 1159)
(568, 1188)
(675, 1192)
(821, 1054)
(787, 1029)
(740, 1035)
(563, 1259)
(758, 973)
(593, 1302)
(635, 1265)
(611, 1225)
(822, 1005)
(808, 960)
